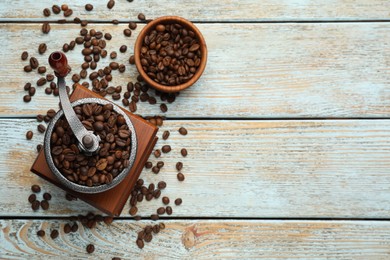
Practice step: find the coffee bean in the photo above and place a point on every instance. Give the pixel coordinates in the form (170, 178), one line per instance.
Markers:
(154, 217)
(67, 228)
(50, 77)
(133, 106)
(107, 36)
(31, 91)
(68, 12)
(122, 68)
(24, 55)
(161, 210)
(115, 21)
(89, 7)
(156, 228)
(180, 176)
(47, 196)
(160, 164)
(183, 152)
(35, 205)
(35, 188)
(46, 27)
(45, 204)
(166, 149)
(169, 210)
(141, 16)
(41, 128)
(39, 118)
(132, 25)
(163, 108)
(179, 166)
(165, 200)
(162, 185)
(178, 201)
(76, 78)
(34, 63)
(157, 153)
(56, 9)
(39, 147)
(27, 86)
(165, 135)
(42, 81)
(127, 32)
(32, 198)
(64, 7)
(42, 70)
(140, 243)
(183, 131)
(46, 12)
(27, 98)
(54, 234)
(41, 233)
(133, 211)
(108, 220)
(29, 135)
(113, 55)
(161, 226)
(123, 48)
(148, 165)
(90, 248)
(155, 170)
(110, 4)
(27, 68)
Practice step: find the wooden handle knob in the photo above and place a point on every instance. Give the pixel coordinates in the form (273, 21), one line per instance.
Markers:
(59, 63)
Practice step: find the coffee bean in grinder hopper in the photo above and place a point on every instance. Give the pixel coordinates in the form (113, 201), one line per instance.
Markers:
(89, 143)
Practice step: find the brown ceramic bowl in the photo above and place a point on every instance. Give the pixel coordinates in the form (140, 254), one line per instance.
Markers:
(170, 20)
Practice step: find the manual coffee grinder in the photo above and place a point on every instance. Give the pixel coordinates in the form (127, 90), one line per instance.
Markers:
(111, 196)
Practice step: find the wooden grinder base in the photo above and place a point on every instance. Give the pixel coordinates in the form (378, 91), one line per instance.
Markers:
(113, 200)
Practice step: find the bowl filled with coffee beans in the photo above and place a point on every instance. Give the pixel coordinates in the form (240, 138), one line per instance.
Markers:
(170, 53)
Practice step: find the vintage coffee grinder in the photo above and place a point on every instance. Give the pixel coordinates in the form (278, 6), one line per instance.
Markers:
(109, 197)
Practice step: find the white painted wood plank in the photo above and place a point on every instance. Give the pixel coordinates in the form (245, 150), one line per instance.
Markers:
(253, 70)
(204, 239)
(278, 169)
(198, 10)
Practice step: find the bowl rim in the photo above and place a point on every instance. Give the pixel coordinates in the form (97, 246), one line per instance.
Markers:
(81, 188)
(138, 46)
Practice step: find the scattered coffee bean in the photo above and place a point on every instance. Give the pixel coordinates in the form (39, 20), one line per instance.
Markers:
(162, 185)
(160, 164)
(75, 227)
(180, 176)
(108, 220)
(27, 68)
(165, 200)
(35, 205)
(46, 12)
(29, 135)
(179, 166)
(132, 25)
(178, 201)
(42, 70)
(133, 211)
(64, 7)
(115, 21)
(107, 36)
(140, 243)
(27, 98)
(157, 153)
(35, 188)
(42, 48)
(54, 234)
(56, 9)
(154, 217)
(90, 248)
(67, 228)
(42, 81)
(45, 204)
(39, 147)
(163, 108)
(68, 12)
(161, 210)
(123, 48)
(110, 4)
(113, 55)
(127, 32)
(166, 149)
(31, 91)
(34, 63)
(155, 170)
(183, 131)
(47, 196)
(24, 55)
(32, 198)
(41, 128)
(169, 210)
(88, 7)
(183, 152)
(46, 27)
(41, 233)
(165, 135)
(132, 60)
(141, 17)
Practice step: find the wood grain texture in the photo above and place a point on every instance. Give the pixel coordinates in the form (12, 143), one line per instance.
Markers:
(198, 10)
(255, 169)
(269, 71)
(204, 239)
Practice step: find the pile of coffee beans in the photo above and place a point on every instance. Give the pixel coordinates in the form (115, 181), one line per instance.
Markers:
(114, 152)
(170, 54)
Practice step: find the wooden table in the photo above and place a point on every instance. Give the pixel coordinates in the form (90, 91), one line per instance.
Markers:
(289, 133)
